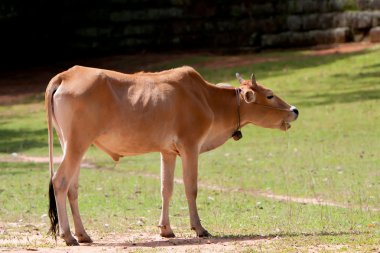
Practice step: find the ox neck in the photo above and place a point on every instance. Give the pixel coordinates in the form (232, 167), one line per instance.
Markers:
(230, 117)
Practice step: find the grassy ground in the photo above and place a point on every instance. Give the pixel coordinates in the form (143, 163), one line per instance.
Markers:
(331, 152)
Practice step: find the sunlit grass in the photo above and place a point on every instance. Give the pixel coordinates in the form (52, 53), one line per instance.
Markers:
(331, 153)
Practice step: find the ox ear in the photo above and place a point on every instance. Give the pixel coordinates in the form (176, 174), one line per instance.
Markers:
(249, 96)
(238, 76)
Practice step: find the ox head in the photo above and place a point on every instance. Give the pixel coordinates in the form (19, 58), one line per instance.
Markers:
(263, 108)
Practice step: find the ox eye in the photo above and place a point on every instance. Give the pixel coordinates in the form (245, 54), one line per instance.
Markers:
(270, 97)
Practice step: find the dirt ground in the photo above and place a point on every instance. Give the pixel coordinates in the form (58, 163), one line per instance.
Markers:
(17, 85)
(148, 242)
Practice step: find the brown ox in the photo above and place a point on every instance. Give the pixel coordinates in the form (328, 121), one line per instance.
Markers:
(174, 112)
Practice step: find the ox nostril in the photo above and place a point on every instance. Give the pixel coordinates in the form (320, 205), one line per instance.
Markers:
(294, 109)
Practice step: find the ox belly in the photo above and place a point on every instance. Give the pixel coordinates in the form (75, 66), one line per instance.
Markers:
(136, 138)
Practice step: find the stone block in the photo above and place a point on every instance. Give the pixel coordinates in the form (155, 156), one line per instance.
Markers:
(341, 35)
(294, 7)
(274, 40)
(310, 22)
(376, 4)
(310, 6)
(305, 6)
(336, 5)
(225, 25)
(251, 25)
(368, 4)
(254, 39)
(93, 32)
(273, 24)
(280, 7)
(298, 39)
(238, 10)
(363, 4)
(339, 19)
(331, 36)
(375, 18)
(150, 14)
(326, 21)
(374, 34)
(294, 22)
(181, 2)
(262, 9)
(358, 19)
(358, 36)
(364, 20)
(130, 30)
(350, 19)
(314, 37)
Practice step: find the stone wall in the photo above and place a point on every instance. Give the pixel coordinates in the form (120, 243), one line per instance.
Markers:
(45, 27)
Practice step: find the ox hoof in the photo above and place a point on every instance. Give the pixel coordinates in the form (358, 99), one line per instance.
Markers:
(69, 240)
(168, 235)
(72, 242)
(84, 239)
(166, 231)
(204, 233)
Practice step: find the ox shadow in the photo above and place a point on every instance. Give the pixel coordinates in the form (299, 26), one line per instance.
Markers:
(173, 242)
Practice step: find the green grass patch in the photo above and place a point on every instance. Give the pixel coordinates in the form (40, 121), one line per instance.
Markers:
(331, 152)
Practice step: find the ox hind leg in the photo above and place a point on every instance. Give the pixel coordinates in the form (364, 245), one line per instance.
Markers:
(80, 232)
(167, 178)
(65, 183)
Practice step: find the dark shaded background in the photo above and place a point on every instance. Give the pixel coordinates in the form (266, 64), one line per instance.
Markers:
(43, 31)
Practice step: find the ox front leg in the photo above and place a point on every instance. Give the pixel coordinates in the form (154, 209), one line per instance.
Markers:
(167, 178)
(190, 179)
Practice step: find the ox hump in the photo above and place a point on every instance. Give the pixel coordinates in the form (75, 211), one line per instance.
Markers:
(224, 85)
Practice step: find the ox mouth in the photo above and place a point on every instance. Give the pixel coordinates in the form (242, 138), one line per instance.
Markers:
(285, 126)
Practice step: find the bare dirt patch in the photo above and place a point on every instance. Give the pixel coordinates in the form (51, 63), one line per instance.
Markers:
(14, 157)
(341, 48)
(148, 242)
(20, 237)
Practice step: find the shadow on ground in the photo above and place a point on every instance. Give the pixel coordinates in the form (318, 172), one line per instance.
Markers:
(216, 239)
(20, 140)
(339, 98)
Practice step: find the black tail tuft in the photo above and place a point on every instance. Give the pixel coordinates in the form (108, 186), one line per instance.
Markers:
(53, 215)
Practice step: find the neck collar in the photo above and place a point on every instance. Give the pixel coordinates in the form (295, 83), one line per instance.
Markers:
(237, 135)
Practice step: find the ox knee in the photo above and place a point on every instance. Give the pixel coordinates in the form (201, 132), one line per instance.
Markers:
(60, 184)
(73, 193)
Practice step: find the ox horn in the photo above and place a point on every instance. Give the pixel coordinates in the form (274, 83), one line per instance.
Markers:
(253, 79)
(238, 76)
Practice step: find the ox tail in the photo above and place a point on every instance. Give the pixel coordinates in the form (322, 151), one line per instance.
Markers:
(53, 214)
